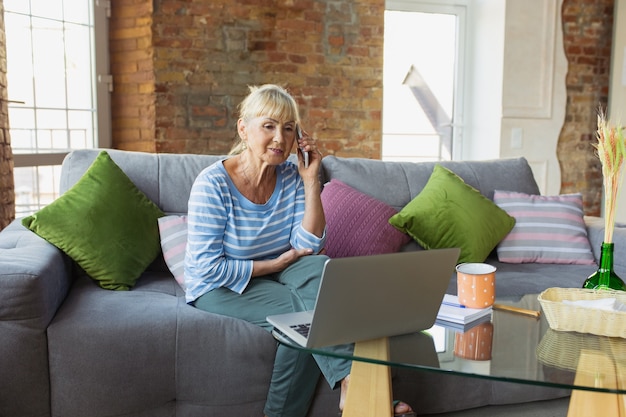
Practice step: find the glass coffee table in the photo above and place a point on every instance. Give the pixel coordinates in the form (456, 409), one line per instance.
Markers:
(510, 347)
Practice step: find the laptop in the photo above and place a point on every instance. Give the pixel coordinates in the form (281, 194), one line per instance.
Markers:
(368, 297)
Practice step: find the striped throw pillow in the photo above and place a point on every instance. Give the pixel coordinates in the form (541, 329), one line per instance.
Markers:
(548, 229)
(173, 231)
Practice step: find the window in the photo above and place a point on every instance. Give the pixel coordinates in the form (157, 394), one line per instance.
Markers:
(54, 95)
(422, 82)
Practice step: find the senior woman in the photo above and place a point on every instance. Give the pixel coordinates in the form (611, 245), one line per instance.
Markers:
(256, 229)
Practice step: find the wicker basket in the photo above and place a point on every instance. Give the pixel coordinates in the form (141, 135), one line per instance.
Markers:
(567, 317)
(562, 349)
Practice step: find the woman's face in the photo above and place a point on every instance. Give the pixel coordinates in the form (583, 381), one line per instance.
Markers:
(268, 139)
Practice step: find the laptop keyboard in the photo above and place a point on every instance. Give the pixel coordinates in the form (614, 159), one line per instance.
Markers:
(303, 329)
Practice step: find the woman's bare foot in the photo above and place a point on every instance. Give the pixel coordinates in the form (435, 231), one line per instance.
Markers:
(344, 392)
(399, 409)
(402, 408)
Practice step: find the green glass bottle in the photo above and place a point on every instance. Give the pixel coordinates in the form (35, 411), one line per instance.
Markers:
(605, 278)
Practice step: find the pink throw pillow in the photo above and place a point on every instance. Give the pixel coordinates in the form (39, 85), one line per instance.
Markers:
(358, 224)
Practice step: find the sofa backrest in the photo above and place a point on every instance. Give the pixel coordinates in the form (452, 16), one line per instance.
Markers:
(167, 178)
(397, 183)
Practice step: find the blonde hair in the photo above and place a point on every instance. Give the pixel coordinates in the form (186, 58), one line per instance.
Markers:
(267, 100)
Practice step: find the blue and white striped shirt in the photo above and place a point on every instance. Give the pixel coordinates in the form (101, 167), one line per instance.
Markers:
(226, 231)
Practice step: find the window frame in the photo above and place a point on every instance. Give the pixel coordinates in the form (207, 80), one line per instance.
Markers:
(458, 8)
(102, 84)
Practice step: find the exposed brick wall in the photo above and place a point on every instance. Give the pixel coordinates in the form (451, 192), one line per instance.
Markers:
(7, 194)
(132, 66)
(181, 67)
(587, 34)
(206, 52)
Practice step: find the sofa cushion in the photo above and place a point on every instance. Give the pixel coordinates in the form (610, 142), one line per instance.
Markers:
(548, 229)
(111, 352)
(104, 223)
(357, 224)
(449, 213)
(516, 280)
(173, 231)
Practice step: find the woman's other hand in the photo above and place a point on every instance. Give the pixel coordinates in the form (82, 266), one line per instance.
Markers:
(271, 266)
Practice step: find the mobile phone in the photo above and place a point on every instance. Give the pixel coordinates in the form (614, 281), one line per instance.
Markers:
(304, 154)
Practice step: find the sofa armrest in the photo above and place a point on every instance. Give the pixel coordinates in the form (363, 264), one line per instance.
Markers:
(35, 277)
(595, 232)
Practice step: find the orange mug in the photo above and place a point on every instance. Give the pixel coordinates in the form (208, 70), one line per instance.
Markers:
(476, 284)
(475, 343)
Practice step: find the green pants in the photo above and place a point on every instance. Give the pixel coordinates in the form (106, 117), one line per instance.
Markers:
(295, 373)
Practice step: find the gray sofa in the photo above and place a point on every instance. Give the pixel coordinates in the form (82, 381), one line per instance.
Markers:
(71, 349)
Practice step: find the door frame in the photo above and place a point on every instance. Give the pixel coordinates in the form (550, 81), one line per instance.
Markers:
(458, 8)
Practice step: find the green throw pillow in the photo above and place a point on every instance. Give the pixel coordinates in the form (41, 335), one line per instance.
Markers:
(448, 213)
(104, 223)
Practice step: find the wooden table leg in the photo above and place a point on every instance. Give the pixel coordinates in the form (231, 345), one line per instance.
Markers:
(596, 369)
(620, 368)
(369, 392)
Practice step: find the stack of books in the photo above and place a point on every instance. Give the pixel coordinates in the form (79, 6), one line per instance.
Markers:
(453, 314)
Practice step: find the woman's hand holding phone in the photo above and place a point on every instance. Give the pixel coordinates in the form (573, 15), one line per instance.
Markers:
(305, 154)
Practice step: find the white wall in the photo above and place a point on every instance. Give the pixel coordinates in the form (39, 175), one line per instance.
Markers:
(534, 96)
(484, 78)
(617, 95)
(516, 106)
